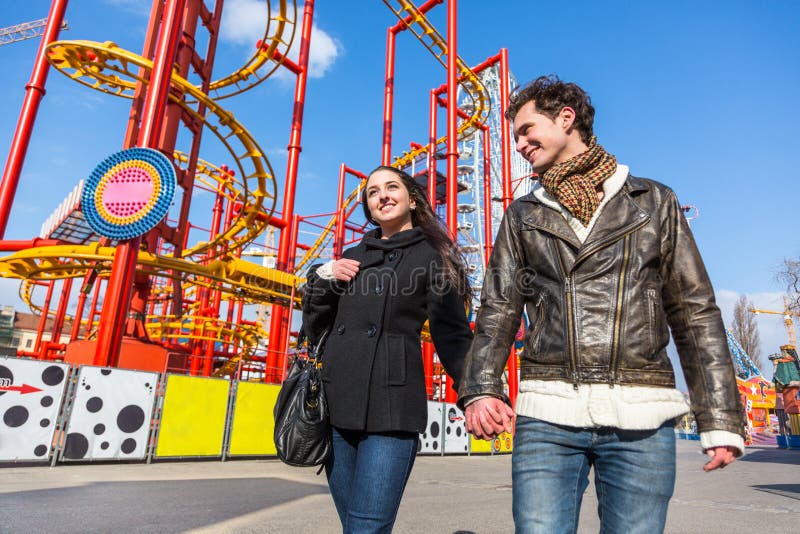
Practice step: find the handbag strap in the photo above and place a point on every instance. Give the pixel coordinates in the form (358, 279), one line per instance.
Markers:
(314, 351)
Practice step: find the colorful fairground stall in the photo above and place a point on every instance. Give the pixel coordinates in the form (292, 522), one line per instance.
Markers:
(787, 386)
(758, 398)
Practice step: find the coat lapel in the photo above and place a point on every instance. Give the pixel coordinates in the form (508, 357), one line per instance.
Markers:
(548, 220)
(619, 217)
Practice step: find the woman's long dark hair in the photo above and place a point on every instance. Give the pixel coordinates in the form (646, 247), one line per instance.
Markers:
(454, 270)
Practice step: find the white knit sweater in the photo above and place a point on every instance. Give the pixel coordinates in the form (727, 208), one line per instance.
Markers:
(600, 405)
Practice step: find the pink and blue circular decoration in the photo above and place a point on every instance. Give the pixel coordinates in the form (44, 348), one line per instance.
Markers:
(128, 193)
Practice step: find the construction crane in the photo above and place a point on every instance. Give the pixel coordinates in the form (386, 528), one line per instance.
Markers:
(26, 30)
(787, 320)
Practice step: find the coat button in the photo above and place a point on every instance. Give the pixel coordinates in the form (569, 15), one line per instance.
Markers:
(379, 289)
(340, 330)
(372, 331)
(393, 255)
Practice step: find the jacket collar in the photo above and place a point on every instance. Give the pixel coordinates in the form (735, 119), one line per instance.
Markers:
(620, 213)
(372, 248)
(372, 239)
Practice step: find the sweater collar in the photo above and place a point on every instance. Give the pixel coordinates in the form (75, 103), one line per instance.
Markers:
(611, 186)
(372, 239)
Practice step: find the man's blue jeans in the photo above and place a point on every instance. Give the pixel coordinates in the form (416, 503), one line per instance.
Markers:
(634, 476)
(367, 474)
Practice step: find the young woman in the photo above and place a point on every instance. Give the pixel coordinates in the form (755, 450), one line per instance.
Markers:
(374, 301)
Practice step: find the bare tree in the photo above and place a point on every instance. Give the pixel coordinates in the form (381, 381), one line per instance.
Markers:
(745, 330)
(790, 275)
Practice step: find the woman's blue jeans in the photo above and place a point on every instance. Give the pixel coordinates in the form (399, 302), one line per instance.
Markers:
(634, 476)
(367, 473)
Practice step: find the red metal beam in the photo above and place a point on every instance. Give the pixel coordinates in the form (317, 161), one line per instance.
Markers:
(487, 196)
(452, 141)
(432, 151)
(508, 195)
(338, 236)
(13, 246)
(276, 338)
(388, 87)
(120, 287)
(34, 91)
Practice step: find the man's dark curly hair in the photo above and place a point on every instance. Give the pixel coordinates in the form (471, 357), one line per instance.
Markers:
(551, 96)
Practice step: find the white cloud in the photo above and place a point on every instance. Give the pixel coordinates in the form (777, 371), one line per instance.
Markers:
(244, 22)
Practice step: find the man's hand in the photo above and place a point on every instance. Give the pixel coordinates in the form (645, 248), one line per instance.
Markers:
(345, 269)
(720, 457)
(488, 417)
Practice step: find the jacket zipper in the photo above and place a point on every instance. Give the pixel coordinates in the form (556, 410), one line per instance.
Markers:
(618, 312)
(537, 329)
(570, 318)
(632, 227)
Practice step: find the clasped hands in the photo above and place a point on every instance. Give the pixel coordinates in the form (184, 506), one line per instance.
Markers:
(489, 417)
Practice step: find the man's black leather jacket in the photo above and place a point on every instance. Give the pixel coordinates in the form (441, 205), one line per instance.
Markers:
(599, 311)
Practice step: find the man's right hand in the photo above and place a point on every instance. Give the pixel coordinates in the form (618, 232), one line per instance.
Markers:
(488, 417)
(345, 269)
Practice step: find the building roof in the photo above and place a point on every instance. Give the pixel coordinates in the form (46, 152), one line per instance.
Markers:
(30, 322)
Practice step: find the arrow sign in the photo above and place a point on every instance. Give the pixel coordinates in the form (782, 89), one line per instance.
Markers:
(23, 389)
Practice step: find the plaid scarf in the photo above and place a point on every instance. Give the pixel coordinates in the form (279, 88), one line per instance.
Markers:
(574, 182)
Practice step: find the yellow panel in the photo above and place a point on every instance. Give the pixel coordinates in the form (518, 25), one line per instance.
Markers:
(503, 443)
(253, 423)
(193, 418)
(479, 446)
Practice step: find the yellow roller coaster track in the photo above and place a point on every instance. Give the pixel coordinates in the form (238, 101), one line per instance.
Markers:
(239, 278)
(262, 64)
(244, 338)
(469, 81)
(97, 65)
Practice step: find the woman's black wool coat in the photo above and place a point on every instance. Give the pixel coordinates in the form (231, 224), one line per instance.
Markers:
(372, 362)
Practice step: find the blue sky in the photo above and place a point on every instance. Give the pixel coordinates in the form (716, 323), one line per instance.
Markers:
(699, 95)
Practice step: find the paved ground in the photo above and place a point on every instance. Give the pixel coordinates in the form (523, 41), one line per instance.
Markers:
(760, 493)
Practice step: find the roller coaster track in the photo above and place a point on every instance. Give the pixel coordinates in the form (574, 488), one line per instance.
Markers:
(245, 338)
(238, 278)
(469, 81)
(432, 40)
(264, 62)
(97, 65)
(327, 233)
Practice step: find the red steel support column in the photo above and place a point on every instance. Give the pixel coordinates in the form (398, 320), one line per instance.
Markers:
(505, 140)
(388, 98)
(452, 141)
(34, 91)
(278, 364)
(43, 318)
(432, 150)
(388, 88)
(487, 195)
(508, 196)
(427, 365)
(278, 313)
(93, 308)
(120, 285)
(213, 296)
(338, 236)
(76, 321)
(61, 311)
(452, 116)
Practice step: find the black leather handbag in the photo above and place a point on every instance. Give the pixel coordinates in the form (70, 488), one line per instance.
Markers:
(302, 429)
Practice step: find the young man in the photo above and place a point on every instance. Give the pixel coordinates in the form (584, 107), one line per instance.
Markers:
(604, 263)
